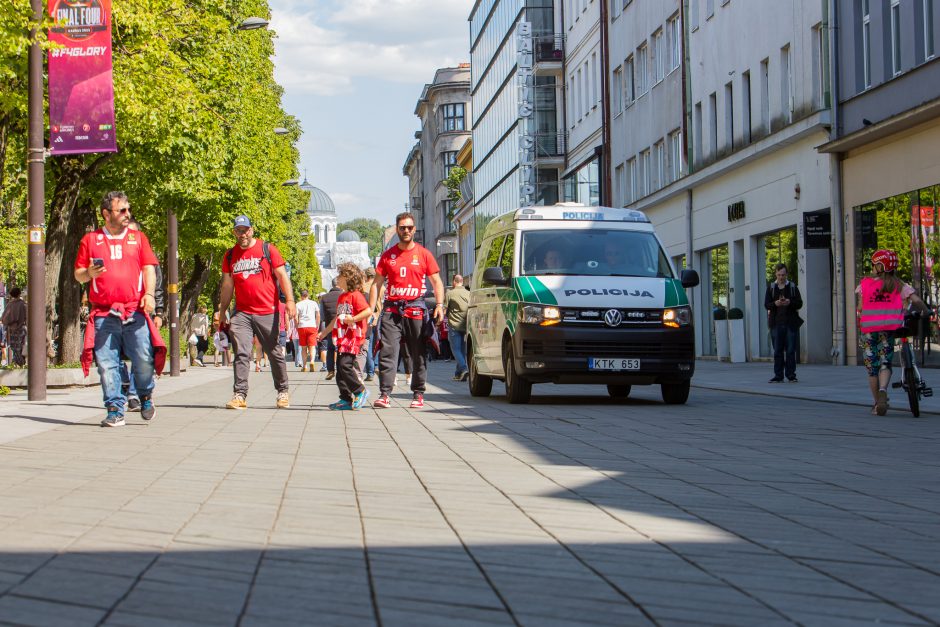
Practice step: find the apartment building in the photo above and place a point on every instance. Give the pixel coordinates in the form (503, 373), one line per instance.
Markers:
(730, 183)
(517, 58)
(885, 137)
(443, 110)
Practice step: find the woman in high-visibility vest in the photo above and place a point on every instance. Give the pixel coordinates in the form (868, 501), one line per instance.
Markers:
(883, 299)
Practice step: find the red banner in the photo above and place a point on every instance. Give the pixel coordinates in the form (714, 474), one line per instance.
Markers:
(81, 91)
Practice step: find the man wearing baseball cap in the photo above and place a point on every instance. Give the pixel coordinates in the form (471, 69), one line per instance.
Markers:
(254, 270)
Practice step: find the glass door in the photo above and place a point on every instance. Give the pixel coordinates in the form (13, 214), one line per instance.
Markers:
(715, 274)
(773, 248)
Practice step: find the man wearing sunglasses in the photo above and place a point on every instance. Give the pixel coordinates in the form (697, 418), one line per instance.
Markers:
(119, 263)
(403, 270)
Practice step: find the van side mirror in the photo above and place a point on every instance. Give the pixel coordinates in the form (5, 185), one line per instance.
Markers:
(689, 278)
(494, 276)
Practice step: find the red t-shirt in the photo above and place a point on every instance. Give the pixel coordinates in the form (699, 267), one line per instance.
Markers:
(348, 337)
(255, 289)
(124, 257)
(405, 271)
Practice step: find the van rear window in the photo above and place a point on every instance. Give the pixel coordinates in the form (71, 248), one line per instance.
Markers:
(595, 252)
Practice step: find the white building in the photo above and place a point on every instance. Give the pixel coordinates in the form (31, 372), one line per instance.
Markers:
(755, 108)
(332, 249)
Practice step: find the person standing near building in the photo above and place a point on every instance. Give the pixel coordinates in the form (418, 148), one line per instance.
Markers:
(200, 328)
(119, 263)
(783, 301)
(327, 313)
(883, 298)
(253, 270)
(308, 324)
(402, 269)
(456, 304)
(14, 324)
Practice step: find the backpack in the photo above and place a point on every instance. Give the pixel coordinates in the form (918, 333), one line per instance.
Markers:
(266, 252)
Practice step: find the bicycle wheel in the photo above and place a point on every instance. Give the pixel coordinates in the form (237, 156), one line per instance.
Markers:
(911, 384)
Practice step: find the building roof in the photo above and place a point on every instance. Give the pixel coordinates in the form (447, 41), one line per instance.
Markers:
(348, 236)
(320, 201)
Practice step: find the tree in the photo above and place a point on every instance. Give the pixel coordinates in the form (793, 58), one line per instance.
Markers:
(369, 230)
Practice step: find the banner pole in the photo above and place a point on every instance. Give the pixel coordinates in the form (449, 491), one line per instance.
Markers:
(36, 256)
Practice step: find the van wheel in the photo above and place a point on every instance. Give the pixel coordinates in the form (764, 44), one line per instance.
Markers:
(618, 391)
(480, 385)
(518, 389)
(676, 393)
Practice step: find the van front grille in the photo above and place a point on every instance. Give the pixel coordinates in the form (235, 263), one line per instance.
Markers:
(569, 348)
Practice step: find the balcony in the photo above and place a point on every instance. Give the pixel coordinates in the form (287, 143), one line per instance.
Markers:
(550, 146)
(549, 54)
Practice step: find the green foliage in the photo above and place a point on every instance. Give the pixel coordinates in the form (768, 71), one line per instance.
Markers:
(4, 390)
(452, 183)
(368, 230)
(13, 254)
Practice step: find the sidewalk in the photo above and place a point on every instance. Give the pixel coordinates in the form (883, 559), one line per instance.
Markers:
(843, 385)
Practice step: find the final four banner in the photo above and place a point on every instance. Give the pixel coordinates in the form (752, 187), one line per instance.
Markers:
(81, 90)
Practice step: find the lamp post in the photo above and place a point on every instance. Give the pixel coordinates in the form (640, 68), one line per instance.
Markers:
(253, 23)
(173, 289)
(36, 256)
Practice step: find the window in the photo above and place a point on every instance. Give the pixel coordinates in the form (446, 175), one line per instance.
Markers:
(818, 55)
(618, 89)
(490, 259)
(896, 36)
(571, 101)
(929, 49)
(586, 88)
(659, 152)
(675, 155)
(644, 174)
(713, 124)
(505, 262)
(630, 182)
(579, 86)
(786, 85)
(628, 92)
(697, 129)
(709, 9)
(674, 42)
(595, 79)
(866, 43)
(765, 95)
(642, 69)
(729, 116)
(693, 15)
(746, 106)
(615, 6)
(453, 117)
(658, 58)
(619, 182)
(449, 160)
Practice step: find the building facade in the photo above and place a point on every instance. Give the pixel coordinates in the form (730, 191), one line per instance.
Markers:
(886, 123)
(443, 110)
(463, 213)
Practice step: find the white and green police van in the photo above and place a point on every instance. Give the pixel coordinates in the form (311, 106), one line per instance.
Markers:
(577, 294)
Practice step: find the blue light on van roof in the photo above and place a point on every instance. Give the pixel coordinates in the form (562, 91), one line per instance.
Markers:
(635, 216)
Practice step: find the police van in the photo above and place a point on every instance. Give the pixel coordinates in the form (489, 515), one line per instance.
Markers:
(578, 294)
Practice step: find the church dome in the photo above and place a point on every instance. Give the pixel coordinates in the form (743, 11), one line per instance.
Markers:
(319, 200)
(347, 236)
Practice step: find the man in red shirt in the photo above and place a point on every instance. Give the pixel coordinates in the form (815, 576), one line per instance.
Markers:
(404, 268)
(254, 270)
(119, 263)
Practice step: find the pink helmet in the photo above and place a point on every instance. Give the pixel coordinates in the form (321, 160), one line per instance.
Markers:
(887, 258)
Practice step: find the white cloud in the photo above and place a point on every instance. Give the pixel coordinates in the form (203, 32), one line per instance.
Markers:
(322, 52)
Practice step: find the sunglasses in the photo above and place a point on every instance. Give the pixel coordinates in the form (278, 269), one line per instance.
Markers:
(406, 228)
(122, 210)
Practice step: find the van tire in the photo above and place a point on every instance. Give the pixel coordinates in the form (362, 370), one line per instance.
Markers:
(619, 391)
(518, 389)
(676, 393)
(480, 385)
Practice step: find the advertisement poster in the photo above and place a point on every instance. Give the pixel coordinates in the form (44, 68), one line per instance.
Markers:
(81, 90)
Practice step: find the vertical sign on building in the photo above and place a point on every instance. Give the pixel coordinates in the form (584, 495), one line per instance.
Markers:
(526, 84)
(81, 91)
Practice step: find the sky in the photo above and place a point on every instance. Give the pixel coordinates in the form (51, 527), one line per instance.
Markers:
(352, 73)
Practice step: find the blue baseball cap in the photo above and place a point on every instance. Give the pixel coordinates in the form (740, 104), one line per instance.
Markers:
(242, 221)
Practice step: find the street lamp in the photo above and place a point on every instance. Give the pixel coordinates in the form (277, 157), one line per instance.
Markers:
(280, 130)
(253, 23)
(290, 183)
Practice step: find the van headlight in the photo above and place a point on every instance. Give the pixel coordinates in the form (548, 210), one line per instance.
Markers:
(677, 317)
(538, 314)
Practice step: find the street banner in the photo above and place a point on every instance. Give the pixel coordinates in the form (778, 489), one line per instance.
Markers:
(81, 91)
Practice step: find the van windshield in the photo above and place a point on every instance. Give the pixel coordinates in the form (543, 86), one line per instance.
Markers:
(593, 253)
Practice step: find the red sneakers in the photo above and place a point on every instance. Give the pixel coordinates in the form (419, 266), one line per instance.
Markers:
(382, 402)
(418, 401)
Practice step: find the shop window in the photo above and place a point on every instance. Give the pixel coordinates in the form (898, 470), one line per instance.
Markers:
(716, 272)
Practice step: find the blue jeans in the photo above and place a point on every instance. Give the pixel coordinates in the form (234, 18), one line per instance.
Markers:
(127, 381)
(133, 339)
(370, 354)
(785, 339)
(457, 347)
(330, 354)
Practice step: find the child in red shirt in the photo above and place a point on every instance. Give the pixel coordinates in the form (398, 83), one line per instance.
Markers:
(349, 332)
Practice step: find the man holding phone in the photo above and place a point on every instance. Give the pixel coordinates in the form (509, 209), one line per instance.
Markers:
(782, 301)
(119, 263)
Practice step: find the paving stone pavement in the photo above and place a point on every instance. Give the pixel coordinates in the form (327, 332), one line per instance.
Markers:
(735, 509)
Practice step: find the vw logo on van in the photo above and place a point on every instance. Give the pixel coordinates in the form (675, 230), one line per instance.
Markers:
(613, 318)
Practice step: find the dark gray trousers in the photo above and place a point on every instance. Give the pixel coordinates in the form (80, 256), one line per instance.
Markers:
(395, 329)
(244, 328)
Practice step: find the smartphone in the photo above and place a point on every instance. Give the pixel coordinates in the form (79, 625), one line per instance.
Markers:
(98, 262)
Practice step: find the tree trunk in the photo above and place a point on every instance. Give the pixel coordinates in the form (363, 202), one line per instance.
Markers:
(190, 291)
(70, 290)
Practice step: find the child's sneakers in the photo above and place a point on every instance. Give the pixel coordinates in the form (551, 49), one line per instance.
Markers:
(341, 404)
(360, 399)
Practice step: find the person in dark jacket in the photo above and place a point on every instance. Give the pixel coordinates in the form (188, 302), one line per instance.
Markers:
(327, 313)
(783, 302)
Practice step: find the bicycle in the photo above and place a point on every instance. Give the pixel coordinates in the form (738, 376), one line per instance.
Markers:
(911, 380)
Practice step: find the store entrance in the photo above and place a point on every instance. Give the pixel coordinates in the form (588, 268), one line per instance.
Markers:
(773, 248)
(715, 269)
(906, 223)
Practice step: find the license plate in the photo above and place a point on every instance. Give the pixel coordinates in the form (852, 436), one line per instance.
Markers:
(613, 363)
